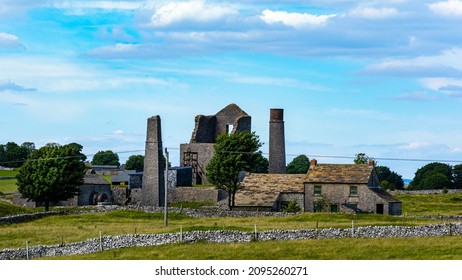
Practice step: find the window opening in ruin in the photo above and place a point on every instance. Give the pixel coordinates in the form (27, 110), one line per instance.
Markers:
(229, 129)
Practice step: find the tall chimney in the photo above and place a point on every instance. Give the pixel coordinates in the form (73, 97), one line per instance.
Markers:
(153, 190)
(277, 147)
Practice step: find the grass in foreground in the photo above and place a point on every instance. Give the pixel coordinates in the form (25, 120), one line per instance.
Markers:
(420, 248)
(77, 227)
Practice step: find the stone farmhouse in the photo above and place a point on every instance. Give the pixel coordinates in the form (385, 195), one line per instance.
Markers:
(347, 188)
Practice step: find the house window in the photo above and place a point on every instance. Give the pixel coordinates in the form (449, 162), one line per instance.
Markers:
(317, 191)
(353, 190)
(317, 207)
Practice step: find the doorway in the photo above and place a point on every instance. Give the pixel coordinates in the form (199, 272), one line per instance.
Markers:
(379, 209)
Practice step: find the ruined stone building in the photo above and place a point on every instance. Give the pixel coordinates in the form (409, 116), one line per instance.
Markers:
(199, 151)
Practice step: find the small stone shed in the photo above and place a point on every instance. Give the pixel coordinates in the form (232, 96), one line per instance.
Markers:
(93, 191)
(347, 188)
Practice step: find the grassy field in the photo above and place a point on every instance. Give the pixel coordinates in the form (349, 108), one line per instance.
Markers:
(431, 204)
(422, 248)
(8, 173)
(8, 185)
(77, 227)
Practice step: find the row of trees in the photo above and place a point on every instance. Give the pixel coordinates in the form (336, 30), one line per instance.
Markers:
(437, 175)
(13, 155)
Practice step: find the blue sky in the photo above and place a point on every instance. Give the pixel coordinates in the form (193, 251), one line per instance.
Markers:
(379, 77)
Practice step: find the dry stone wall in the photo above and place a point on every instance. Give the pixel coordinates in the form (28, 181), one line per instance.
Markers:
(124, 241)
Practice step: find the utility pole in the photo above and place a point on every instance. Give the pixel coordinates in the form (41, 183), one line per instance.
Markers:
(166, 190)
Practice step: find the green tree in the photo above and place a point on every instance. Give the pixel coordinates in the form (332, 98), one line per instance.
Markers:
(261, 164)
(105, 158)
(393, 179)
(429, 170)
(457, 176)
(362, 158)
(52, 173)
(13, 155)
(135, 162)
(233, 153)
(298, 165)
(435, 181)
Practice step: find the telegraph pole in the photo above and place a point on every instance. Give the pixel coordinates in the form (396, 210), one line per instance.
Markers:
(166, 190)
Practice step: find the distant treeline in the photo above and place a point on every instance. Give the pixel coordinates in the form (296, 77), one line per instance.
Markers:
(14, 155)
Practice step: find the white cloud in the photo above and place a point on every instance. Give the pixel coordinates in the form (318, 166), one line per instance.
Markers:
(195, 11)
(118, 132)
(452, 8)
(448, 64)
(374, 13)
(296, 20)
(9, 41)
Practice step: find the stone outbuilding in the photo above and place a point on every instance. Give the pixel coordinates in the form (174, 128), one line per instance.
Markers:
(93, 191)
(347, 188)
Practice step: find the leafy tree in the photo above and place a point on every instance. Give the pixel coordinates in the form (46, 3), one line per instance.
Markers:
(298, 165)
(13, 155)
(135, 162)
(233, 153)
(457, 176)
(393, 179)
(261, 164)
(105, 158)
(362, 158)
(428, 171)
(435, 181)
(52, 173)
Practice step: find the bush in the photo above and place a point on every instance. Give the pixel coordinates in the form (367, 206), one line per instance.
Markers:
(292, 207)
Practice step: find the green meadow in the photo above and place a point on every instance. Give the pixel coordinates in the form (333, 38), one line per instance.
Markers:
(77, 227)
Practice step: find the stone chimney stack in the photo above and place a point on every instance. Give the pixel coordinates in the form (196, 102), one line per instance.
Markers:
(277, 147)
(313, 163)
(153, 190)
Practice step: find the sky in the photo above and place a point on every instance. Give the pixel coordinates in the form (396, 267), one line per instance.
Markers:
(377, 77)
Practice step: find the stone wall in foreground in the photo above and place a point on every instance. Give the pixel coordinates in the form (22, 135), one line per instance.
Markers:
(124, 241)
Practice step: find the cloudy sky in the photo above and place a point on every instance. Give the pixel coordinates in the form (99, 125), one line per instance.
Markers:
(379, 77)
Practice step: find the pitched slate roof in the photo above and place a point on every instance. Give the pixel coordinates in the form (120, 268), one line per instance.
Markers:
(93, 179)
(384, 195)
(340, 173)
(264, 189)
